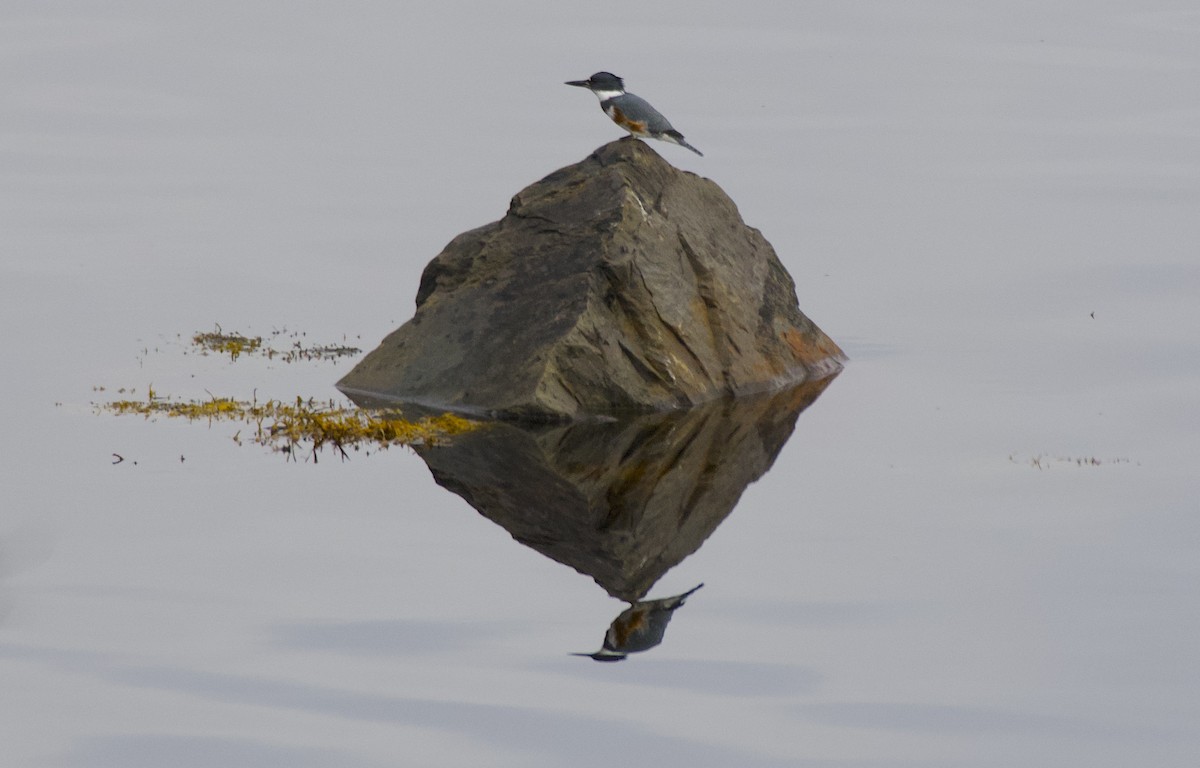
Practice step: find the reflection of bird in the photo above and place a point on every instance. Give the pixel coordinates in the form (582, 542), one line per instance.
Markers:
(633, 113)
(640, 627)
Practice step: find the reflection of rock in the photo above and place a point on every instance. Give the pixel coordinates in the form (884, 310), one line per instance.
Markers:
(639, 628)
(619, 283)
(621, 501)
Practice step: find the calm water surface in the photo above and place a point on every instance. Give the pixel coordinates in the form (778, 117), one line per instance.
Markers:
(992, 210)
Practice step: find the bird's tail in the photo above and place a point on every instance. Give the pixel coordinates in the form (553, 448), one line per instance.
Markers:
(677, 138)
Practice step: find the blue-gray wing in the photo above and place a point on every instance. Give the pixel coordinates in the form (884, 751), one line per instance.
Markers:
(639, 110)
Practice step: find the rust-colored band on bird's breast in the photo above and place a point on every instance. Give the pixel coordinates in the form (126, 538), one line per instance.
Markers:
(621, 119)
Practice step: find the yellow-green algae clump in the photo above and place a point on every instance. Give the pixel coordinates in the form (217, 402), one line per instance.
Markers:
(286, 426)
(236, 344)
(232, 344)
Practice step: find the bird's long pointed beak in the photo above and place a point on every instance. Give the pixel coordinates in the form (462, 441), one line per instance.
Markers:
(579, 83)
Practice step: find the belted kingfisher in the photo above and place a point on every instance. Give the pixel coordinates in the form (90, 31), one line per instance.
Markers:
(640, 627)
(633, 113)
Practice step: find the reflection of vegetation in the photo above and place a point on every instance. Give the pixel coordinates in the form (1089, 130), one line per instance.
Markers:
(235, 344)
(288, 426)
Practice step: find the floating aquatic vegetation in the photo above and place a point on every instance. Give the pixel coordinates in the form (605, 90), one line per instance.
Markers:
(292, 426)
(289, 426)
(1044, 461)
(236, 344)
(232, 344)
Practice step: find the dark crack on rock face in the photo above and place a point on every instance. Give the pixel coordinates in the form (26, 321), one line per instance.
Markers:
(616, 284)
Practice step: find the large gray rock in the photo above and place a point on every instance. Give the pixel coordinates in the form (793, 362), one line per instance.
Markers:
(619, 283)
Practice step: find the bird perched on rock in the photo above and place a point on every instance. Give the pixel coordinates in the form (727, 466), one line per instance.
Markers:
(640, 627)
(633, 113)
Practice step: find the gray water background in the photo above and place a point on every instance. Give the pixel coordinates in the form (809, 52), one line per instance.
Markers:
(991, 207)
